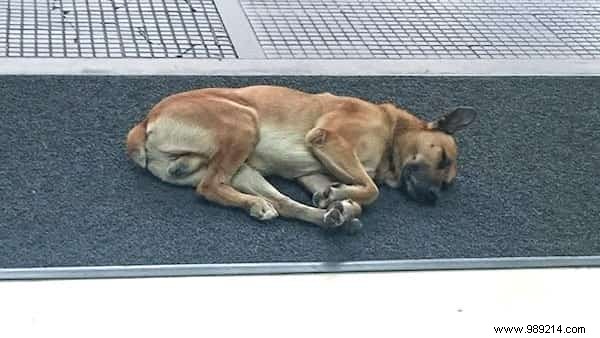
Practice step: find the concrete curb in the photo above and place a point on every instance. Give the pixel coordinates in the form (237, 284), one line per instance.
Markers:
(249, 67)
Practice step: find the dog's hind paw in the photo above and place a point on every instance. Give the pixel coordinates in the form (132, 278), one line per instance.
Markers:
(178, 169)
(341, 212)
(353, 226)
(263, 210)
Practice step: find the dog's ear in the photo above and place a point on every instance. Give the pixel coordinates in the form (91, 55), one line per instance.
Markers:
(455, 120)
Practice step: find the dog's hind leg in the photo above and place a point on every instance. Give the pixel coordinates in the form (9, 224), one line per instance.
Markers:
(344, 213)
(338, 156)
(216, 185)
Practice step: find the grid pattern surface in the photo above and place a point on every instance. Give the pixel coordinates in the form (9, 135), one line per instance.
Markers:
(399, 29)
(115, 29)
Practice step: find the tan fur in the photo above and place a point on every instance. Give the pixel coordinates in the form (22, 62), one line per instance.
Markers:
(222, 141)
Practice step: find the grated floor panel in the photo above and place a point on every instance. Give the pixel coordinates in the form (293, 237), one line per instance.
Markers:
(395, 29)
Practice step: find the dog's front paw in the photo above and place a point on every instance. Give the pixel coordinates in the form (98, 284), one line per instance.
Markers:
(324, 199)
(341, 212)
(319, 200)
(263, 210)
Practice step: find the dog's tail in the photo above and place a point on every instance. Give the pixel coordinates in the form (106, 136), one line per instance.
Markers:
(136, 143)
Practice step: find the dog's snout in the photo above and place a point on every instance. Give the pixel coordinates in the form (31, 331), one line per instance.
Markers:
(424, 192)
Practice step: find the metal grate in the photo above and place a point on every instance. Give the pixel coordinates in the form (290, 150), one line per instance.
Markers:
(114, 29)
(426, 28)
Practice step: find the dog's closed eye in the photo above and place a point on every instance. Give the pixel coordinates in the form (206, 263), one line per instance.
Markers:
(444, 161)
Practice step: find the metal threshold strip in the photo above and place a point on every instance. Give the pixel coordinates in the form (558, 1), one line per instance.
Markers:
(250, 67)
(180, 270)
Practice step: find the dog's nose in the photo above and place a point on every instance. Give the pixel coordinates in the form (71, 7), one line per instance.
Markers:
(431, 195)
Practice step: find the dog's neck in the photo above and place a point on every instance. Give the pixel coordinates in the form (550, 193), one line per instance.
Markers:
(401, 122)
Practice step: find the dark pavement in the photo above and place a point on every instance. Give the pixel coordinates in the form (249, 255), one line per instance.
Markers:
(528, 181)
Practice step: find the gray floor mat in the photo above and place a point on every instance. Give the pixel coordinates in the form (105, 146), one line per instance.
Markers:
(527, 186)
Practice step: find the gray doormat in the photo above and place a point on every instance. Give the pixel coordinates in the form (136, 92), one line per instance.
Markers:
(527, 187)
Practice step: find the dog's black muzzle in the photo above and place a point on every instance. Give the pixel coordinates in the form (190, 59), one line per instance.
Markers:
(418, 187)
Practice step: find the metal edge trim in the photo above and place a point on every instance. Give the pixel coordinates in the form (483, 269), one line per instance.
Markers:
(294, 268)
(274, 67)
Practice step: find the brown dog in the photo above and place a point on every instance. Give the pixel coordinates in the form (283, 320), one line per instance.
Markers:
(224, 141)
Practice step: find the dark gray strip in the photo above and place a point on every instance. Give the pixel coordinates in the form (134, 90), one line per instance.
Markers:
(104, 28)
(143, 30)
(22, 28)
(185, 30)
(49, 11)
(173, 35)
(132, 30)
(77, 36)
(89, 20)
(118, 26)
(212, 29)
(158, 30)
(8, 9)
(198, 32)
(62, 24)
(35, 30)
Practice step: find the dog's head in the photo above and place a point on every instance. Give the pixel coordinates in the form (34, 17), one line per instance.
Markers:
(425, 158)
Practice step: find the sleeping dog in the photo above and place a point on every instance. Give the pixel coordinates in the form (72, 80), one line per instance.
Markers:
(224, 141)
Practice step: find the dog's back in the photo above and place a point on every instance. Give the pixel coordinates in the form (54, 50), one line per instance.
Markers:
(136, 143)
